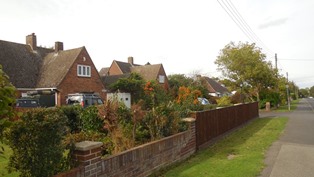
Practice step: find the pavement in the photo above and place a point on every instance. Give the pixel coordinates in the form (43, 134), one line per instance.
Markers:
(293, 154)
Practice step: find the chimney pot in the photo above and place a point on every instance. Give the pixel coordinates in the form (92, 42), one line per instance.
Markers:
(32, 41)
(58, 46)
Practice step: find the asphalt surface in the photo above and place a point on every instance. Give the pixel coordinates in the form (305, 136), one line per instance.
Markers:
(293, 154)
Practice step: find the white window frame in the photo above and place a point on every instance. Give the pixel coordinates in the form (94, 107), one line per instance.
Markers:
(83, 71)
(161, 79)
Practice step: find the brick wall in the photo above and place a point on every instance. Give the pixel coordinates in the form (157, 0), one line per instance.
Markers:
(140, 161)
(114, 69)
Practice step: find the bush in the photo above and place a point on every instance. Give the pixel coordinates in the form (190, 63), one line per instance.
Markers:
(162, 121)
(224, 101)
(90, 119)
(36, 143)
(269, 96)
(73, 117)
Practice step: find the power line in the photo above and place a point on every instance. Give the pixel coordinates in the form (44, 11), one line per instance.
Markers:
(236, 17)
(247, 26)
(234, 20)
(297, 59)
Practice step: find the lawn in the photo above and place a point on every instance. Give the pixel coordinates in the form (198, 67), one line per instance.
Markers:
(241, 154)
(4, 160)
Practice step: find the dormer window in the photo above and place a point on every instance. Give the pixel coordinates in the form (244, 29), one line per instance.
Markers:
(83, 71)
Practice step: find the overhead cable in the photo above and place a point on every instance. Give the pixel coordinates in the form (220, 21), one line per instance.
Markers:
(237, 18)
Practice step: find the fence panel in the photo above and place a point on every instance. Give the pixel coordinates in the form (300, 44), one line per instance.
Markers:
(213, 123)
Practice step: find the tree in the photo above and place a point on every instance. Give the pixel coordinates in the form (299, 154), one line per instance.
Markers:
(133, 84)
(312, 91)
(304, 92)
(194, 83)
(244, 64)
(7, 95)
(7, 99)
(178, 80)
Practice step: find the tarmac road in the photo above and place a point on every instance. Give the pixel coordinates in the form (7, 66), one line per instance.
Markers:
(293, 154)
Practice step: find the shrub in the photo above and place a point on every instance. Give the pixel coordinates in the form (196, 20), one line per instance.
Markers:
(162, 121)
(269, 96)
(36, 143)
(117, 122)
(90, 119)
(73, 117)
(224, 101)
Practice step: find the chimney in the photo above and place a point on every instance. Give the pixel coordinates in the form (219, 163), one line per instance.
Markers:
(31, 40)
(58, 46)
(130, 60)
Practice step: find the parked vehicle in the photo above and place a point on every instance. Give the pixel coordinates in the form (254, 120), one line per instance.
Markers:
(36, 101)
(27, 103)
(84, 99)
(203, 101)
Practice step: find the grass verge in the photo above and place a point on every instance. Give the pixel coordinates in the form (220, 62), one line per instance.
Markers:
(284, 108)
(241, 154)
(4, 160)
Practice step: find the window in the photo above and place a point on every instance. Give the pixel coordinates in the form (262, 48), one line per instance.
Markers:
(161, 79)
(83, 71)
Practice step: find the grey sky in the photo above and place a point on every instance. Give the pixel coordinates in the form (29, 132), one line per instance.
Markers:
(184, 35)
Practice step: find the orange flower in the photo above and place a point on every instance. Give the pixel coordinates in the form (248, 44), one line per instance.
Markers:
(148, 87)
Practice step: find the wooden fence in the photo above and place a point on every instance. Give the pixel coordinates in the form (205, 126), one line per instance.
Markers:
(214, 123)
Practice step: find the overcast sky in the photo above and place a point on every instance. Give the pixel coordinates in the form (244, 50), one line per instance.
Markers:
(186, 36)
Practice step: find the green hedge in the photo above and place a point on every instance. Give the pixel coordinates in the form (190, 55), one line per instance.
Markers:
(36, 142)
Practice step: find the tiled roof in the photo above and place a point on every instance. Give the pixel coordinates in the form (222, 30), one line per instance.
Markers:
(148, 72)
(216, 86)
(21, 64)
(55, 67)
(108, 80)
(103, 71)
(125, 67)
(42, 68)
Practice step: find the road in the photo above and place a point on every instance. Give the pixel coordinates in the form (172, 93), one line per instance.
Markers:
(293, 154)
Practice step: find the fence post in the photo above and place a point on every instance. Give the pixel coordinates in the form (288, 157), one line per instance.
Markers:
(88, 154)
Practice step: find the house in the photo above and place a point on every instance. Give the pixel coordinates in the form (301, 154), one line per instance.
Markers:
(58, 71)
(215, 89)
(120, 69)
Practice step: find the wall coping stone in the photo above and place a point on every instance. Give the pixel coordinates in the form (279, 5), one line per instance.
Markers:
(189, 119)
(87, 145)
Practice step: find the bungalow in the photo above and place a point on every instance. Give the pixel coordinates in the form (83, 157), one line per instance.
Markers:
(214, 88)
(32, 68)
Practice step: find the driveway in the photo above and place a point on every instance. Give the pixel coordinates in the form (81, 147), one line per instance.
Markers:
(293, 154)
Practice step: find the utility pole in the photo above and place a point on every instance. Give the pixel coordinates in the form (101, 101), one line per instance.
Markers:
(277, 73)
(276, 61)
(288, 96)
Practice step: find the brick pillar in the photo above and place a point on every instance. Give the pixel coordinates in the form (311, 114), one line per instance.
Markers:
(191, 125)
(88, 154)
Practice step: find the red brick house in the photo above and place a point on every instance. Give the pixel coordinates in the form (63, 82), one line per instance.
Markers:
(33, 68)
(120, 69)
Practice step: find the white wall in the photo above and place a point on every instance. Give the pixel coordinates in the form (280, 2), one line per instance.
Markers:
(123, 97)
